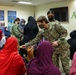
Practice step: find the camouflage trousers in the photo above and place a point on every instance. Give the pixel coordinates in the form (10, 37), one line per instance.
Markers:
(64, 55)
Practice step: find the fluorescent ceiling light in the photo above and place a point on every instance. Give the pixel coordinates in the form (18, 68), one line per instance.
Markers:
(24, 2)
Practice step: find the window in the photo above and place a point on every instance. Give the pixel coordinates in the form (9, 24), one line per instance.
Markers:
(61, 13)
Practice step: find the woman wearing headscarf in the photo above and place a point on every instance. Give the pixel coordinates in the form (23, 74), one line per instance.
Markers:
(30, 31)
(21, 29)
(72, 42)
(22, 25)
(11, 63)
(73, 67)
(2, 39)
(42, 63)
(6, 32)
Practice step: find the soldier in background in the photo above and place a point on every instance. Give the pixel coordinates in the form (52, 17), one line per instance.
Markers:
(56, 34)
(61, 46)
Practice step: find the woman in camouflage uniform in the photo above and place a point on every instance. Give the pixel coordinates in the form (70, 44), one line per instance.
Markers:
(55, 33)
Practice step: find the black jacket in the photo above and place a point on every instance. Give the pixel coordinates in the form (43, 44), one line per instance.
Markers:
(72, 42)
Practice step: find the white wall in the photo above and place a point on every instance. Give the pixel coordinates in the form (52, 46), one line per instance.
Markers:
(25, 11)
(22, 12)
(42, 10)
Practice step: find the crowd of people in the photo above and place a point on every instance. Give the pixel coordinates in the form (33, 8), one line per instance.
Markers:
(26, 50)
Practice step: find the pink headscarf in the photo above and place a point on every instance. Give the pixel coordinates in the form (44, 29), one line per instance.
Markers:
(0, 34)
(73, 67)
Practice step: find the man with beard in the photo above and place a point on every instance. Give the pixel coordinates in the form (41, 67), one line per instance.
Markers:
(55, 33)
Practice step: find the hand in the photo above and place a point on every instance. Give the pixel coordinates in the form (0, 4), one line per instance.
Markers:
(23, 46)
(55, 43)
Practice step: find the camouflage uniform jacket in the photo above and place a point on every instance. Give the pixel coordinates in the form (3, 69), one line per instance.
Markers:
(55, 32)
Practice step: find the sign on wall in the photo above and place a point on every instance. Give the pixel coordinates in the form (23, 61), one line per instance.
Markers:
(1, 15)
(11, 18)
(74, 15)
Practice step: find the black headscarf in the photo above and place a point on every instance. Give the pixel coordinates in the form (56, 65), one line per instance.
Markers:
(30, 29)
(72, 40)
(73, 34)
(31, 22)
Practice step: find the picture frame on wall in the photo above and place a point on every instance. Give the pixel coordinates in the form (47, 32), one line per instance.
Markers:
(11, 18)
(1, 15)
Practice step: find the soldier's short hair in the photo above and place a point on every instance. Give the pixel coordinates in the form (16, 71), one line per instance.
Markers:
(50, 11)
(42, 18)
